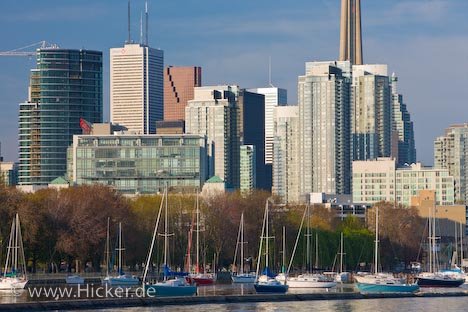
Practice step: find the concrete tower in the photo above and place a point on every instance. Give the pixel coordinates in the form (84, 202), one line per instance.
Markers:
(350, 34)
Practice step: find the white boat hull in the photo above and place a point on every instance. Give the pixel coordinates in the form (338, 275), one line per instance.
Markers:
(9, 283)
(74, 280)
(121, 281)
(309, 284)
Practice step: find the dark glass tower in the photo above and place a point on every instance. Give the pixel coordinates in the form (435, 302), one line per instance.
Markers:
(65, 86)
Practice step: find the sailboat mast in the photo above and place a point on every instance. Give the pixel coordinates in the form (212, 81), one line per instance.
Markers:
(461, 243)
(376, 247)
(242, 245)
(308, 259)
(341, 253)
(316, 251)
(16, 221)
(107, 247)
(166, 243)
(267, 237)
(120, 248)
(429, 225)
(197, 270)
(284, 250)
(9, 251)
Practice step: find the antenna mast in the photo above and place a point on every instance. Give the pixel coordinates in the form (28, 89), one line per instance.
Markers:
(141, 27)
(129, 40)
(269, 73)
(146, 22)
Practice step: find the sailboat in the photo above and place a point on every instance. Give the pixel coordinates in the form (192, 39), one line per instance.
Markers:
(308, 279)
(16, 278)
(342, 276)
(266, 283)
(199, 278)
(241, 277)
(176, 286)
(382, 282)
(435, 277)
(121, 279)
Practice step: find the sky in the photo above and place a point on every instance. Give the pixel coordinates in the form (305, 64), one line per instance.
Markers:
(425, 42)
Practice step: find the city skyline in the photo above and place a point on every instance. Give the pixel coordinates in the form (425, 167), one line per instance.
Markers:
(399, 46)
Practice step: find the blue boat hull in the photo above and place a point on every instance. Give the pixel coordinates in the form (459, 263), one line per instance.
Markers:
(170, 291)
(382, 288)
(281, 289)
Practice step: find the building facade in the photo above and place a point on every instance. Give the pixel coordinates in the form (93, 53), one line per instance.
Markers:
(273, 97)
(136, 87)
(139, 164)
(451, 152)
(214, 113)
(286, 171)
(402, 127)
(179, 83)
(382, 180)
(371, 112)
(248, 173)
(65, 86)
(324, 128)
(8, 173)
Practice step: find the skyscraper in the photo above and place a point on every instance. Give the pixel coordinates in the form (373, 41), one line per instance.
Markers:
(214, 113)
(350, 32)
(178, 89)
(451, 152)
(136, 87)
(402, 127)
(247, 169)
(325, 128)
(65, 86)
(286, 171)
(371, 112)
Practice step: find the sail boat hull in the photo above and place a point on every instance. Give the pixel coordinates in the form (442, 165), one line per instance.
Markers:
(9, 283)
(171, 288)
(271, 286)
(439, 282)
(243, 278)
(387, 288)
(201, 279)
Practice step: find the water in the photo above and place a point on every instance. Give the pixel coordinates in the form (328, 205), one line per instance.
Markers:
(369, 305)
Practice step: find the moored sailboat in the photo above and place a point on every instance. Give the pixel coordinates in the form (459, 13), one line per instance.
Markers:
(16, 278)
(176, 286)
(382, 282)
(266, 283)
(240, 276)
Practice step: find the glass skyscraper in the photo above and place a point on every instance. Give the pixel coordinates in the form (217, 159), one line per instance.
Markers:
(65, 86)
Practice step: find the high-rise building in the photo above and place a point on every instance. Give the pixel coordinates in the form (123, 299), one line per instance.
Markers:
(136, 87)
(402, 127)
(8, 173)
(178, 89)
(451, 152)
(214, 113)
(325, 128)
(247, 169)
(139, 164)
(286, 171)
(273, 97)
(371, 112)
(350, 32)
(65, 86)
(251, 128)
(382, 180)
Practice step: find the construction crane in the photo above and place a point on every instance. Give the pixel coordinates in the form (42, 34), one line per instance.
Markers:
(21, 52)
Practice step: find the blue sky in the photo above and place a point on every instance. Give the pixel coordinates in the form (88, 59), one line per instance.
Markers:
(424, 41)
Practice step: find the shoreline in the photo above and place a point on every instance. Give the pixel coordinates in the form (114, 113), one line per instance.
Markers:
(109, 303)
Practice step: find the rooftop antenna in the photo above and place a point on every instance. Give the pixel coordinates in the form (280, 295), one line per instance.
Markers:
(129, 40)
(146, 22)
(269, 72)
(141, 27)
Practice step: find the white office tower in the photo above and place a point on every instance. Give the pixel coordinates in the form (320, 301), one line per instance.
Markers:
(273, 97)
(286, 154)
(214, 113)
(136, 87)
(324, 128)
(371, 112)
(451, 152)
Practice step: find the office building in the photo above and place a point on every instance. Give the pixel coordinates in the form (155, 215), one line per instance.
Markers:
(8, 173)
(286, 171)
(273, 97)
(402, 127)
(350, 32)
(170, 127)
(382, 180)
(371, 112)
(325, 128)
(65, 86)
(136, 87)
(247, 169)
(451, 153)
(214, 113)
(179, 83)
(139, 164)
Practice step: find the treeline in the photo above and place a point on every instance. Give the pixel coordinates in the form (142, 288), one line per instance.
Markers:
(70, 225)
